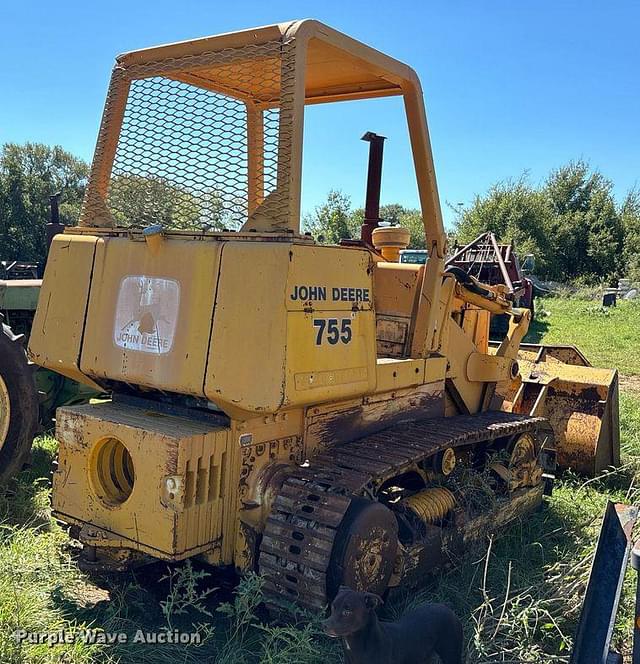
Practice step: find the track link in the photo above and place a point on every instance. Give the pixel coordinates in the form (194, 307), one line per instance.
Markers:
(295, 552)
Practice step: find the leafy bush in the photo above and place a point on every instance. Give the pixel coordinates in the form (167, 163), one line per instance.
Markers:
(571, 223)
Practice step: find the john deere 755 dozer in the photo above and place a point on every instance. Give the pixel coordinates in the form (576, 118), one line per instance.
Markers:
(322, 414)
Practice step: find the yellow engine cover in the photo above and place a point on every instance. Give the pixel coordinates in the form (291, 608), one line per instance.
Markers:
(149, 314)
(291, 327)
(252, 324)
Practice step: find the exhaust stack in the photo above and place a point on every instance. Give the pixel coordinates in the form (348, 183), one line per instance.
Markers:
(374, 181)
(54, 227)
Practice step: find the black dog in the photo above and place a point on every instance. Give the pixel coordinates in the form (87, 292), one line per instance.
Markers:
(428, 629)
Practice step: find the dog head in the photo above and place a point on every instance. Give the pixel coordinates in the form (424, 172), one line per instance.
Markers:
(350, 612)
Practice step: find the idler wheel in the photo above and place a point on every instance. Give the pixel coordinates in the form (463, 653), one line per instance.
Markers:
(365, 549)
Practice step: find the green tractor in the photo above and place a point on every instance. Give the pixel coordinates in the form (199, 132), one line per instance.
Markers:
(29, 395)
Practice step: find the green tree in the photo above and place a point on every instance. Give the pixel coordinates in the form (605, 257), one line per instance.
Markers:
(333, 220)
(139, 201)
(585, 228)
(571, 223)
(630, 217)
(514, 211)
(412, 220)
(29, 174)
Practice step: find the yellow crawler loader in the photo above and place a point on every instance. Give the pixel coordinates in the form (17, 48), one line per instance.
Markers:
(324, 415)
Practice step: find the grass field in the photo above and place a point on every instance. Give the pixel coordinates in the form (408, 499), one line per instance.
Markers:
(519, 593)
(608, 337)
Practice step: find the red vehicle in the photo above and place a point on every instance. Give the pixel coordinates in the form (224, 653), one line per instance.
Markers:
(492, 263)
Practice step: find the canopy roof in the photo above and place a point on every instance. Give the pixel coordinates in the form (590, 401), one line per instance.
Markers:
(337, 67)
(283, 66)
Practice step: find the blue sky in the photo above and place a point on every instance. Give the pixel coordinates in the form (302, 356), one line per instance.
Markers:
(509, 85)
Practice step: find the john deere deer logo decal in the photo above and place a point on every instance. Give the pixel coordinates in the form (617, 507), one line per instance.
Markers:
(146, 314)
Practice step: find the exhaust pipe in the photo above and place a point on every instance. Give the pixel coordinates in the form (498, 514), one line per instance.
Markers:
(374, 181)
(54, 227)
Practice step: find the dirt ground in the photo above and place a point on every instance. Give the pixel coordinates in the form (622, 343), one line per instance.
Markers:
(630, 384)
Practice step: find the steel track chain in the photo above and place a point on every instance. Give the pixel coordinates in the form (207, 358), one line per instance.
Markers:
(298, 538)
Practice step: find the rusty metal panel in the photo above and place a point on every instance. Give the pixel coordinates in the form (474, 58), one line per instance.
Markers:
(561, 352)
(338, 425)
(581, 402)
(392, 335)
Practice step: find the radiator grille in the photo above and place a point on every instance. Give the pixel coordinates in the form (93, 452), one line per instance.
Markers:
(203, 481)
(201, 520)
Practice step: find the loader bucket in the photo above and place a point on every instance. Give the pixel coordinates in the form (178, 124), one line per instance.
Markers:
(580, 402)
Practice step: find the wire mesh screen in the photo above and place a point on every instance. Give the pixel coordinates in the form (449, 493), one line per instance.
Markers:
(200, 143)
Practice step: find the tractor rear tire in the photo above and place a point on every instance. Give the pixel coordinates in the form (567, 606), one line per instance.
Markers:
(19, 405)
